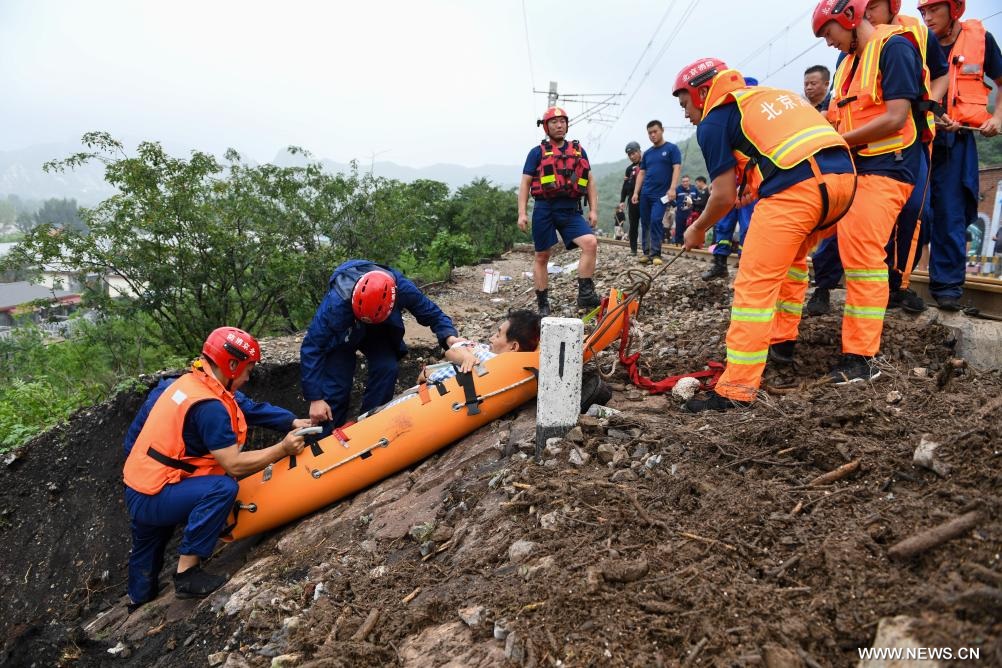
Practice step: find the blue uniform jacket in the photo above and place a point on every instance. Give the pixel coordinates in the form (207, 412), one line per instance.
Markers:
(334, 325)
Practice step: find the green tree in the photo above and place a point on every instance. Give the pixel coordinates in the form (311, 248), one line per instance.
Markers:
(25, 222)
(8, 214)
(59, 213)
(201, 243)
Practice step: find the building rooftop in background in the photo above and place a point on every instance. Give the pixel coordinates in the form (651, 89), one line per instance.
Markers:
(13, 295)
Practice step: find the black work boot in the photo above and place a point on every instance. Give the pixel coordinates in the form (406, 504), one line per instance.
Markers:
(717, 270)
(712, 402)
(782, 352)
(910, 302)
(196, 583)
(819, 303)
(543, 302)
(586, 294)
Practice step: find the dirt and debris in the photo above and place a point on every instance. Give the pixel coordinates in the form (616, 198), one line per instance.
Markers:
(646, 537)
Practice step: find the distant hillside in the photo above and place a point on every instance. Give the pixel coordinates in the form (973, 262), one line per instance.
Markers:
(21, 174)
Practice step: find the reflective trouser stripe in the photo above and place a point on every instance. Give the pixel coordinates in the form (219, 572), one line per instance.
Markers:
(863, 235)
(797, 274)
(741, 357)
(866, 274)
(752, 314)
(790, 307)
(781, 227)
(868, 312)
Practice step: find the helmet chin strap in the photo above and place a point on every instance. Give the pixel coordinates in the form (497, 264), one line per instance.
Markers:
(854, 44)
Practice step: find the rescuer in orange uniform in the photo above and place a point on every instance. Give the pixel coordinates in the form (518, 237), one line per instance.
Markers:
(880, 106)
(973, 55)
(181, 451)
(771, 145)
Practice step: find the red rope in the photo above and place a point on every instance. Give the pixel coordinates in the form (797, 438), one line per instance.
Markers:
(708, 378)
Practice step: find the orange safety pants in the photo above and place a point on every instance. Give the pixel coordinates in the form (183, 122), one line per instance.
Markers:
(770, 286)
(862, 237)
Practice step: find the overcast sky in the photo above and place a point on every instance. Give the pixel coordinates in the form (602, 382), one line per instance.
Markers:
(414, 83)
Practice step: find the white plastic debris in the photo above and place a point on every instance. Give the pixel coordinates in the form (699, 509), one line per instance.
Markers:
(925, 456)
(685, 388)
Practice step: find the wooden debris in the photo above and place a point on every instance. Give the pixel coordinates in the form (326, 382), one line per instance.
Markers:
(531, 606)
(986, 575)
(710, 541)
(650, 521)
(836, 474)
(411, 596)
(694, 652)
(937, 535)
(657, 607)
(368, 625)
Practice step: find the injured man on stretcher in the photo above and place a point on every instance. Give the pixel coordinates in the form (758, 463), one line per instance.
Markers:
(519, 332)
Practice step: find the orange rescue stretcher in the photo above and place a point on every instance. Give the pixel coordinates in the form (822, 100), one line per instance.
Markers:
(401, 434)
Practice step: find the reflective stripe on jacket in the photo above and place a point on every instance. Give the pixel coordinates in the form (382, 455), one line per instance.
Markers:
(158, 457)
(861, 100)
(782, 128)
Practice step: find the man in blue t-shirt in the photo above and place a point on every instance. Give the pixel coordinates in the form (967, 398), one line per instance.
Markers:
(657, 180)
(557, 180)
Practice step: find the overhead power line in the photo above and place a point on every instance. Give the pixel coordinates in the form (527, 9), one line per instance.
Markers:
(769, 42)
(689, 10)
(528, 46)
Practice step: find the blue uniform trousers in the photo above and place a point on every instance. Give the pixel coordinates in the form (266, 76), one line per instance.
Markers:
(827, 264)
(652, 227)
(201, 504)
(382, 351)
(899, 247)
(954, 205)
(723, 232)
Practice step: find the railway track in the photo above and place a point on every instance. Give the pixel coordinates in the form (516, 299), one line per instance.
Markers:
(982, 292)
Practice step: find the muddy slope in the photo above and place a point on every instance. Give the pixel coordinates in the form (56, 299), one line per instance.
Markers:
(650, 537)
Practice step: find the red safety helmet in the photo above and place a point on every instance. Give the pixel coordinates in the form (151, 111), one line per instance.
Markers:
(956, 6)
(373, 298)
(551, 113)
(695, 75)
(226, 345)
(834, 10)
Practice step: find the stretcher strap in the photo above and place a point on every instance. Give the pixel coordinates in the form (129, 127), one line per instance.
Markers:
(708, 378)
(466, 382)
(422, 391)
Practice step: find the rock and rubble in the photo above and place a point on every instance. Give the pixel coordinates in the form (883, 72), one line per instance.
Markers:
(646, 537)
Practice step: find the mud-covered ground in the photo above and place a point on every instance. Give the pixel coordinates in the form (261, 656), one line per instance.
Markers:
(648, 537)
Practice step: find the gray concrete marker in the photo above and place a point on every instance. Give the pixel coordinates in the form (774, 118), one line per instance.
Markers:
(558, 402)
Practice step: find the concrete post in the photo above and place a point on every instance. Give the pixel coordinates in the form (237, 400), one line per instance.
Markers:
(558, 402)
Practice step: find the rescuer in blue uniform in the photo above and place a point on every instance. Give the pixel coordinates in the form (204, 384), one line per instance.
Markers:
(362, 311)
